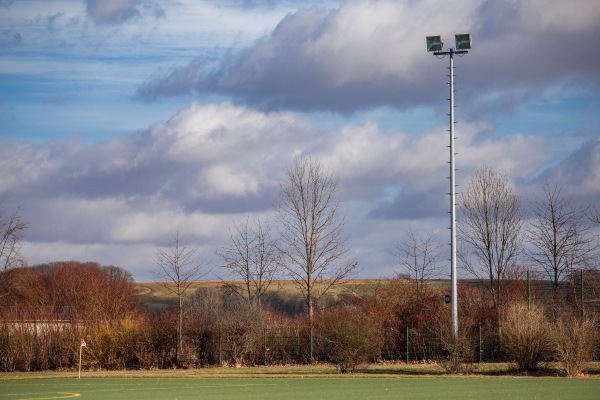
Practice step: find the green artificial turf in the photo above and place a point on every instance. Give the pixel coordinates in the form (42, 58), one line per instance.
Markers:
(330, 388)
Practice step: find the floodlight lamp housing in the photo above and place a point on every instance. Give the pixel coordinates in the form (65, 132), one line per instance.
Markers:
(434, 43)
(463, 41)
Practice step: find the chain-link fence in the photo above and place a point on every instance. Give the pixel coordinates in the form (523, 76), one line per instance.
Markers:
(577, 292)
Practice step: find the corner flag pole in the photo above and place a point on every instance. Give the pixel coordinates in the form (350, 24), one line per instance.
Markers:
(82, 344)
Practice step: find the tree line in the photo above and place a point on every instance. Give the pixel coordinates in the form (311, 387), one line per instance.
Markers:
(46, 308)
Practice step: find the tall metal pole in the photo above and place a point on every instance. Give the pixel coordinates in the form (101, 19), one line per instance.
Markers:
(453, 293)
(435, 45)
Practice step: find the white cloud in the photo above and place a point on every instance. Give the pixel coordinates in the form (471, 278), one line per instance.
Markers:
(198, 169)
(560, 16)
(519, 156)
(132, 192)
(224, 180)
(367, 159)
(205, 132)
(120, 11)
(135, 258)
(580, 172)
(373, 40)
(372, 53)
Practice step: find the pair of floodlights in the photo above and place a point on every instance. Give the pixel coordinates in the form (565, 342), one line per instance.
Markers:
(462, 41)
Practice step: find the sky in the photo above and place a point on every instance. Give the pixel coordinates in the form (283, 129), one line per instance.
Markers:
(125, 121)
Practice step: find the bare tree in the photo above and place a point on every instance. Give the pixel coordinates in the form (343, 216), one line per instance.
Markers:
(490, 230)
(312, 230)
(178, 269)
(560, 236)
(419, 256)
(252, 256)
(12, 229)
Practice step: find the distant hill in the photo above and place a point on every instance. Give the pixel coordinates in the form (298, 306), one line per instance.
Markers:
(156, 295)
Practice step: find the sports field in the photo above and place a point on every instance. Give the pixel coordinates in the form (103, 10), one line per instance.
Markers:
(292, 388)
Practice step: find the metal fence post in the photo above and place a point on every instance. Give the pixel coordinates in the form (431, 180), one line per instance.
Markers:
(407, 344)
(220, 354)
(265, 344)
(311, 345)
(480, 346)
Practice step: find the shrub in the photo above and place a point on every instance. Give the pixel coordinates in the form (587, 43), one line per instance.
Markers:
(110, 345)
(203, 312)
(349, 336)
(457, 351)
(241, 331)
(526, 335)
(156, 339)
(575, 343)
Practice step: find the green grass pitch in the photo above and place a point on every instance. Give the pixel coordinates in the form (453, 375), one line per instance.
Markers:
(330, 388)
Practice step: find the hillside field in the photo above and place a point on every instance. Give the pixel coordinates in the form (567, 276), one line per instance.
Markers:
(155, 294)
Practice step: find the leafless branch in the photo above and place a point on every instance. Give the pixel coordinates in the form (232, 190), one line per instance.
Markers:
(178, 269)
(312, 229)
(419, 257)
(252, 256)
(560, 235)
(489, 229)
(12, 230)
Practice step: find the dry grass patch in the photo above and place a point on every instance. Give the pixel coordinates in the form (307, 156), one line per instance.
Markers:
(391, 370)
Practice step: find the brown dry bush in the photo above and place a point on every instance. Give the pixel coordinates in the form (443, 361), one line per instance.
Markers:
(576, 342)
(241, 329)
(31, 342)
(110, 345)
(526, 335)
(203, 312)
(349, 336)
(457, 351)
(156, 340)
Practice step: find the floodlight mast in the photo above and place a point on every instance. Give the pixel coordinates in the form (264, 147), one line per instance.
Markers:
(435, 44)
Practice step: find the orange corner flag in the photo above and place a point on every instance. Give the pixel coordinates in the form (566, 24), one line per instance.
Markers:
(81, 346)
